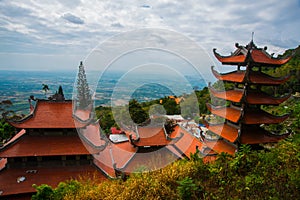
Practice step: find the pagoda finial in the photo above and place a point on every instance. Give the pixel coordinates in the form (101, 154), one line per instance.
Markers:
(252, 36)
(81, 63)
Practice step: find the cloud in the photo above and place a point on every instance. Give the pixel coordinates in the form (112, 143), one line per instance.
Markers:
(72, 18)
(117, 25)
(40, 26)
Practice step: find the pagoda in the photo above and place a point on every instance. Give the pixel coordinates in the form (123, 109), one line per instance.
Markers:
(46, 150)
(243, 116)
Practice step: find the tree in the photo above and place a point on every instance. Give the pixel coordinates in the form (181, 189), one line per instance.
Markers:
(6, 130)
(83, 90)
(137, 114)
(45, 88)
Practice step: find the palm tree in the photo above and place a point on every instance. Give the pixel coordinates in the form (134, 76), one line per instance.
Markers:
(45, 88)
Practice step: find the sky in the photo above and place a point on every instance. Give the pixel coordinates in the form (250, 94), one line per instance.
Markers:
(57, 35)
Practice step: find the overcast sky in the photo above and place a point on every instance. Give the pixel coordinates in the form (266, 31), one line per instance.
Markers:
(52, 35)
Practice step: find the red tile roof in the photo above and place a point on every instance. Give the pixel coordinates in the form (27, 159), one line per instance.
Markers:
(119, 154)
(44, 175)
(230, 95)
(262, 117)
(92, 139)
(262, 98)
(14, 138)
(49, 114)
(250, 53)
(221, 146)
(260, 56)
(251, 98)
(226, 131)
(258, 135)
(264, 79)
(46, 145)
(152, 136)
(152, 160)
(254, 77)
(229, 113)
(235, 76)
(188, 143)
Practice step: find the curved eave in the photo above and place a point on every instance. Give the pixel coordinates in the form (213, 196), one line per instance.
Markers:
(220, 146)
(225, 131)
(19, 123)
(229, 113)
(231, 60)
(264, 59)
(92, 138)
(235, 76)
(230, 95)
(262, 117)
(264, 79)
(260, 98)
(258, 135)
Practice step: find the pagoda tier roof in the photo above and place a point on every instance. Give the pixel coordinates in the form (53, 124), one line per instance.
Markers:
(224, 130)
(255, 77)
(153, 136)
(252, 97)
(49, 114)
(250, 54)
(261, 117)
(46, 145)
(258, 135)
(51, 175)
(261, 98)
(230, 113)
(220, 146)
(235, 95)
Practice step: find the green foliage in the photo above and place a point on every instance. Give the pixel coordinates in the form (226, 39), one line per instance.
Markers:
(6, 131)
(137, 114)
(106, 118)
(186, 188)
(83, 90)
(203, 98)
(43, 192)
(171, 107)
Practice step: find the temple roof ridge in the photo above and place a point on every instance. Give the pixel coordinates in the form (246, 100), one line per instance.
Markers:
(251, 53)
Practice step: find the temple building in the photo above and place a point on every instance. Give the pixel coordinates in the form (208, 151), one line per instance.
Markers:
(145, 148)
(243, 116)
(46, 150)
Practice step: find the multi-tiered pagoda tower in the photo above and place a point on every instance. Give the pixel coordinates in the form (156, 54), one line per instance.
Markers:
(243, 114)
